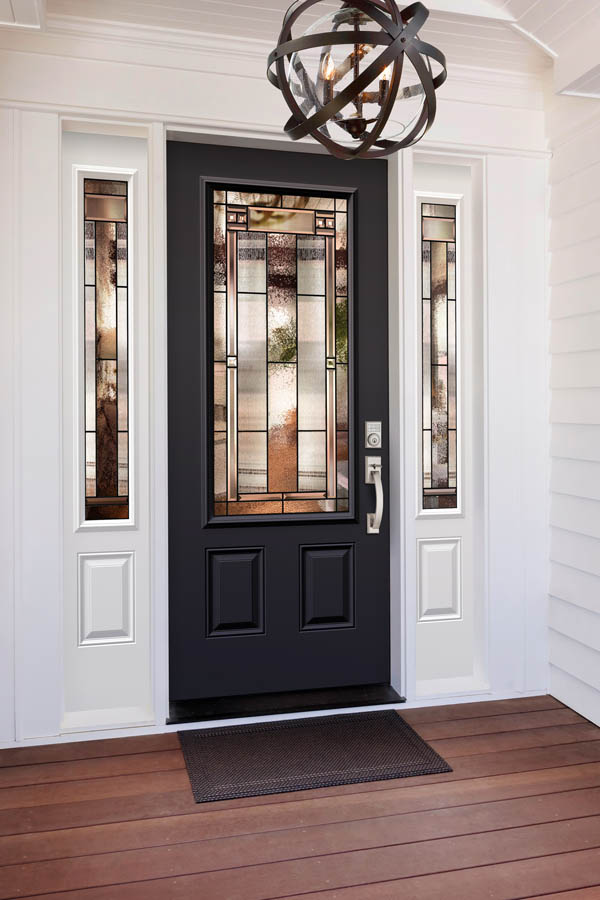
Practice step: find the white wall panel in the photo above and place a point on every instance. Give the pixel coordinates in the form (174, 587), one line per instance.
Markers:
(576, 298)
(575, 370)
(8, 399)
(575, 693)
(578, 260)
(575, 442)
(575, 514)
(580, 406)
(580, 478)
(575, 622)
(439, 579)
(38, 527)
(576, 333)
(581, 224)
(574, 586)
(578, 189)
(518, 422)
(576, 550)
(576, 658)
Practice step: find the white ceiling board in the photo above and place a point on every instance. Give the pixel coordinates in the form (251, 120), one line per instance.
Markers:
(485, 39)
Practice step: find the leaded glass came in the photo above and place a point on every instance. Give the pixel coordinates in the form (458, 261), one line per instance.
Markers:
(280, 353)
(438, 255)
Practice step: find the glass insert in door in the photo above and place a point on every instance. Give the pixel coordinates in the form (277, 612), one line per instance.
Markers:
(280, 353)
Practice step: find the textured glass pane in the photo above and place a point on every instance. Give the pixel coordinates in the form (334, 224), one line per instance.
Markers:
(122, 254)
(439, 437)
(90, 359)
(311, 265)
(439, 210)
(90, 253)
(341, 380)
(106, 417)
(452, 364)
(252, 263)
(341, 329)
(282, 297)
(439, 337)
(219, 352)
(252, 462)
(341, 204)
(106, 292)
(308, 506)
(426, 350)
(288, 220)
(90, 464)
(299, 202)
(243, 198)
(122, 343)
(311, 461)
(311, 363)
(118, 188)
(250, 508)
(342, 464)
(440, 501)
(220, 463)
(439, 229)
(123, 464)
(452, 459)
(116, 510)
(341, 255)
(220, 397)
(219, 252)
(427, 459)
(106, 209)
(426, 269)
(252, 362)
(452, 271)
(283, 447)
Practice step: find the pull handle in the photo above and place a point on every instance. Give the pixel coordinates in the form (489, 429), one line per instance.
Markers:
(373, 476)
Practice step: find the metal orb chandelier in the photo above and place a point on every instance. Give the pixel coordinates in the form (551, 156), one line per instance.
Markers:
(359, 80)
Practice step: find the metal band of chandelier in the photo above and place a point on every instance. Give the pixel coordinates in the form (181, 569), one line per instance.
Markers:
(359, 80)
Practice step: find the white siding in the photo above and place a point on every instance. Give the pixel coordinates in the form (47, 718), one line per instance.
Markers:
(574, 610)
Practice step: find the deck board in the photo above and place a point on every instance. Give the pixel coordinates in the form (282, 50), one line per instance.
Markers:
(517, 818)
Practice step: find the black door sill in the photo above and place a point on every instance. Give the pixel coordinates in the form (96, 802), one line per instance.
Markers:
(286, 702)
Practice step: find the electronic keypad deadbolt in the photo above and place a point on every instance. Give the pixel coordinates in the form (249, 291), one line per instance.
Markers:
(372, 435)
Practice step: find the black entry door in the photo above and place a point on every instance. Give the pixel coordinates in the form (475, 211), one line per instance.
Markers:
(278, 356)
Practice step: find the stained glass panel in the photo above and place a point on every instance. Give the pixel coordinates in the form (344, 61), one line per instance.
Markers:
(438, 354)
(106, 341)
(281, 350)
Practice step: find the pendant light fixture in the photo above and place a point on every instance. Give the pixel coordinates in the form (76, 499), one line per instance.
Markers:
(359, 79)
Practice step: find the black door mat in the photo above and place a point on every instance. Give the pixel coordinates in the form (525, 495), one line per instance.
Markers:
(302, 754)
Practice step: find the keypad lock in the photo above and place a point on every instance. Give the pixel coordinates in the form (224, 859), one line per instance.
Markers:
(373, 435)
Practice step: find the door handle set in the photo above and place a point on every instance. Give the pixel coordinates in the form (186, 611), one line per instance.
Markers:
(373, 476)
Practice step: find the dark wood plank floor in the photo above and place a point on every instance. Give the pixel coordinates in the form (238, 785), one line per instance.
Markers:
(518, 817)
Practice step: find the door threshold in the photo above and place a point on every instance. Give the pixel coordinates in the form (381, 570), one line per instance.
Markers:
(204, 710)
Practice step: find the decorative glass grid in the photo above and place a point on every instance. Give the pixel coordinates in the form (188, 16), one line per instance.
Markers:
(106, 350)
(280, 354)
(438, 245)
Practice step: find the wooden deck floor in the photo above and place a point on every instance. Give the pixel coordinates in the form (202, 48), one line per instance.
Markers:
(518, 817)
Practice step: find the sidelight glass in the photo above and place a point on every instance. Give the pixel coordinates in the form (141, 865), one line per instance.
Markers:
(438, 354)
(106, 342)
(281, 353)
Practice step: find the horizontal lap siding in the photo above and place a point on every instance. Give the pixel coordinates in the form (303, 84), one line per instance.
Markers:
(574, 606)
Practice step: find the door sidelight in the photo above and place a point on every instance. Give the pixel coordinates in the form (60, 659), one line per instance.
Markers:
(373, 476)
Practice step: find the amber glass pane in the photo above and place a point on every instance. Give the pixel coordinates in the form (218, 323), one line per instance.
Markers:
(439, 356)
(106, 342)
(280, 350)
